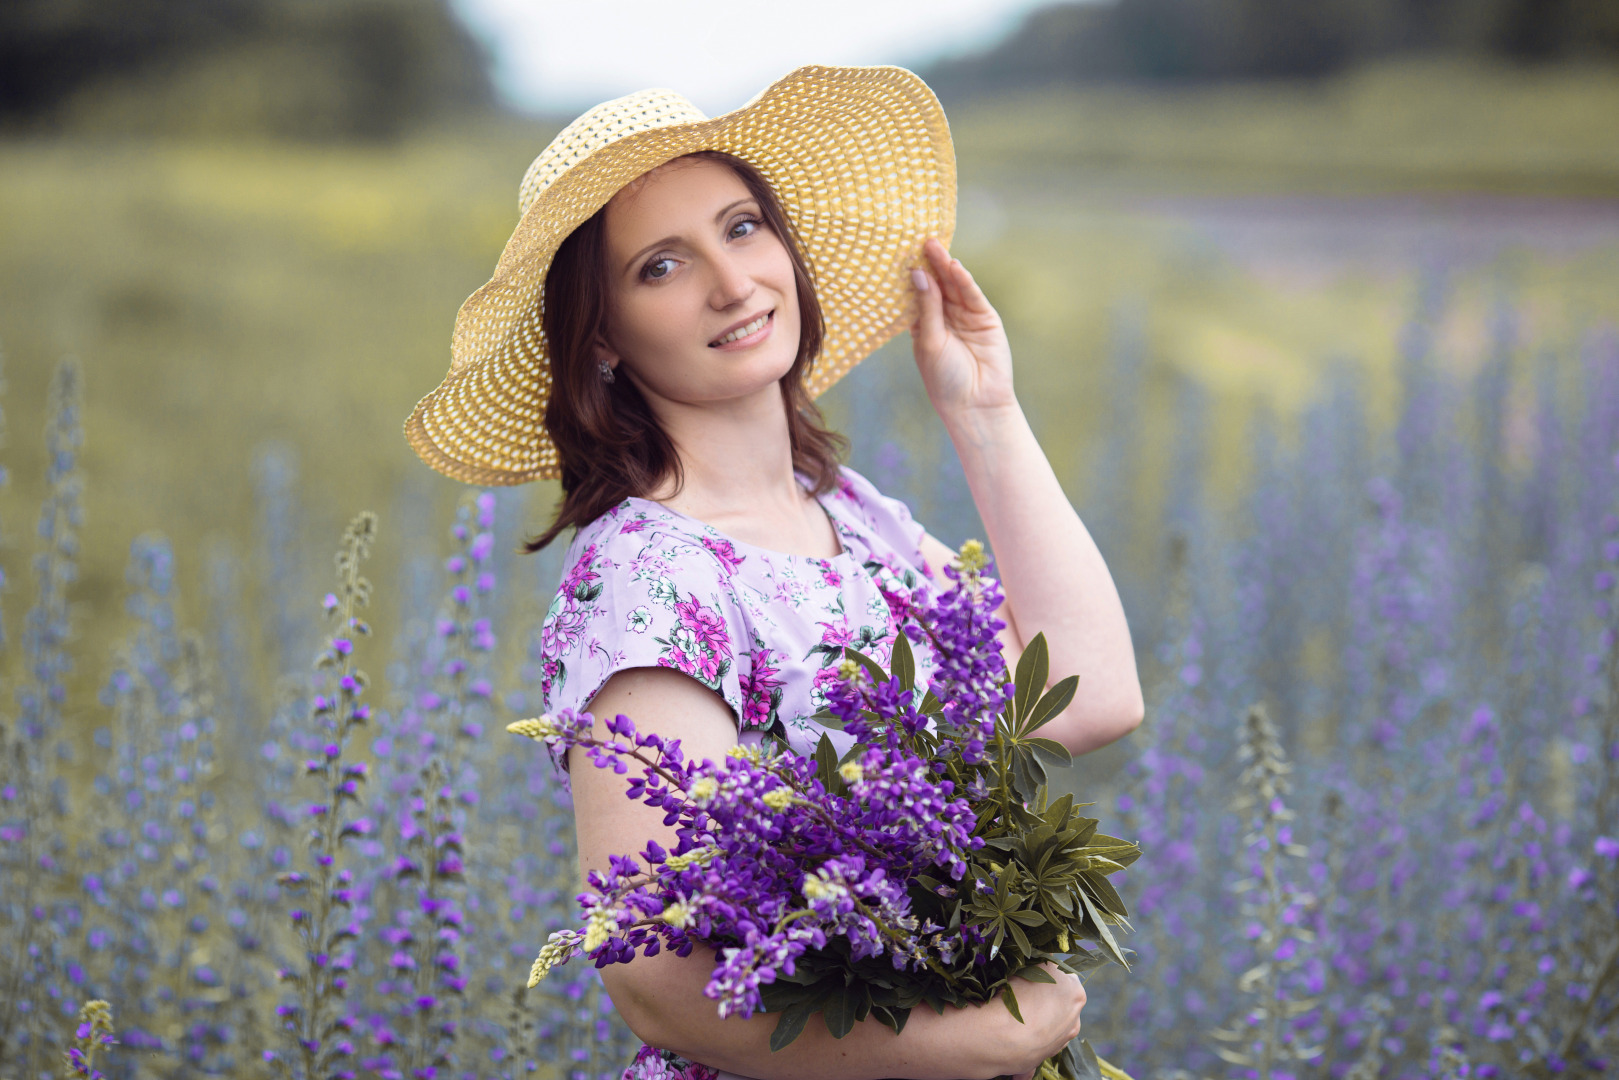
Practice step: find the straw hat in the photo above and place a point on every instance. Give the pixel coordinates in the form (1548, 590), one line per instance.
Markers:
(861, 160)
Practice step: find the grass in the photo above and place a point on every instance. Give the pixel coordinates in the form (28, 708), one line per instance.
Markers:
(1414, 125)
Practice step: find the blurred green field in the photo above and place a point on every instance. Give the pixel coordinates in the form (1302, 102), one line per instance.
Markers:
(222, 295)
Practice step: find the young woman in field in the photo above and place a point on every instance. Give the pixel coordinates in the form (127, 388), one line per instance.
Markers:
(657, 307)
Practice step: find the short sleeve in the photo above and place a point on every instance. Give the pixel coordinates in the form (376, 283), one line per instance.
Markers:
(887, 518)
(638, 593)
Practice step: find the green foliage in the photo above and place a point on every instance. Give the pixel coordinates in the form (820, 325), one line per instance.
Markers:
(1195, 40)
(1036, 891)
(300, 68)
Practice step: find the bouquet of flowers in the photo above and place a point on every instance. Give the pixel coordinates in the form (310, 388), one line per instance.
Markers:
(927, 865)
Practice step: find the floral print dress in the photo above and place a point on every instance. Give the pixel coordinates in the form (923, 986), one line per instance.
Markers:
(646, 586)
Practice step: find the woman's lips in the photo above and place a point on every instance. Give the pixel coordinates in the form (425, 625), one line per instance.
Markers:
(753, 338)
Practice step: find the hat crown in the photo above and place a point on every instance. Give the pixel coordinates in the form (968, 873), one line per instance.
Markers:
(602, 126)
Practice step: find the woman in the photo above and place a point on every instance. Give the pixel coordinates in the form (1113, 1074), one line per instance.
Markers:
(722, 559)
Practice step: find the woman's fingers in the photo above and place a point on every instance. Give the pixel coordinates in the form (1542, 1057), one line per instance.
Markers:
(929, 326)
(961, 293)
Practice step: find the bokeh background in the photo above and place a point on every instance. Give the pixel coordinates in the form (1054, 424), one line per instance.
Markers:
(1251, 254)
(252, 221)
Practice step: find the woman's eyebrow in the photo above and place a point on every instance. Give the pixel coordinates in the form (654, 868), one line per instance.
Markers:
(629, 263)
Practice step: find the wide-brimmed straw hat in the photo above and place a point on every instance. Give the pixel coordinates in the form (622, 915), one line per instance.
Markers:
(861, 160)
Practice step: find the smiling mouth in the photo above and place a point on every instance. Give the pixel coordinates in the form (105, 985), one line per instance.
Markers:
(744, 331)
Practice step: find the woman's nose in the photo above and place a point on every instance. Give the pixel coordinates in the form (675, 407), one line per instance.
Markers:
(732, 283)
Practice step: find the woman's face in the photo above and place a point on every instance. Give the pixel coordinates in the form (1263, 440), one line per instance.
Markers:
(705, 308)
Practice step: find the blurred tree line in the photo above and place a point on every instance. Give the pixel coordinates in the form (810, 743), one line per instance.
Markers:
(302, 68)
(1205, 40)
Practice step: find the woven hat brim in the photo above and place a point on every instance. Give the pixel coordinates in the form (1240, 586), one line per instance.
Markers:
(862, 161)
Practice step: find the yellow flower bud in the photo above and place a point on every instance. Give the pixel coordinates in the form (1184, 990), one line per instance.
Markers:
(703, 789)
(538, 727)
(691, 858)
(852, 772)
(778, 798)
(599, 928)
(678, 915)
(971, 559)
(555, 951)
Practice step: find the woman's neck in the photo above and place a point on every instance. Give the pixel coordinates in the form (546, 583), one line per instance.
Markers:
(737, 475)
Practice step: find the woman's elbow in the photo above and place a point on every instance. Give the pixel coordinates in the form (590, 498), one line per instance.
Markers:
(1132, 710)
(1099, 723)
(637, 1005)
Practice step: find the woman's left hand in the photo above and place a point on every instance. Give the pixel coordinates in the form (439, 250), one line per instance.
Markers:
(960, 345)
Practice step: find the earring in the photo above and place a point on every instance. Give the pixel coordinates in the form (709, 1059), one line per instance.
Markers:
(606, 371)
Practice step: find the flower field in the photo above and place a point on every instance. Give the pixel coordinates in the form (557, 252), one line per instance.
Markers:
(1377, 790)
(1365, 524)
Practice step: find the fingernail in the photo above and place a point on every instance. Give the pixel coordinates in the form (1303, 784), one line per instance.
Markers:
(919, 279)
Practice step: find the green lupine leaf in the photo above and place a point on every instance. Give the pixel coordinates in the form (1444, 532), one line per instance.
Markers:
(1105, 893)
(1033, 668)
(1051, 752)
(874, 669)
(903, 662)
(931, 706)
(1035, 973)
(1010, 999)
(1080, 961)
(839, 1012)
(826, 718)
(893, 1017)
(790, 1025)
(1027, 774)
(1055, 701)
(826, 767)
(1122, 852)
(1057, 813)
(1018, 935)
(1087, 1067)
(1105, 936)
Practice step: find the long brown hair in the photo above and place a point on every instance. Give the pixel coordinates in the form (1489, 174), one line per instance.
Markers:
(606, 434)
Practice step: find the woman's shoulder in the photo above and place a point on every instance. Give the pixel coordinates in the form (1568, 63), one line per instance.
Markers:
(640, 589)
(879, 515)
(638, 539)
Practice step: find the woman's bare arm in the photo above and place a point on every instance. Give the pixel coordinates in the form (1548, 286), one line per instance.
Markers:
(661, 998)
(1055, 579)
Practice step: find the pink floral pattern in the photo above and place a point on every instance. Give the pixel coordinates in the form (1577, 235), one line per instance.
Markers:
(649, 587)
(724, 552)
(654, 1064)
(699, 644)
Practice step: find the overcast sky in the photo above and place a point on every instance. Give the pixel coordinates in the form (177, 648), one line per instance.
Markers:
(566, 55)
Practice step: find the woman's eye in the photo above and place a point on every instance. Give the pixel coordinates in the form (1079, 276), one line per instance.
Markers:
(650, 270)
(748, 225)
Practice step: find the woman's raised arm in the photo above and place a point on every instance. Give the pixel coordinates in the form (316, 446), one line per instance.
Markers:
(1055, 579)
(661, 997)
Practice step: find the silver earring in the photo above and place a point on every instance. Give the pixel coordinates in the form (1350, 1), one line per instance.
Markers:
(606, 370)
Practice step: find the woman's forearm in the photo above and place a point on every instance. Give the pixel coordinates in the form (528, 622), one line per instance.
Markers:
(1055, 579)
(661, 999)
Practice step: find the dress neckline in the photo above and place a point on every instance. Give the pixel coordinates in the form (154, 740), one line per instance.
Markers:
(840, 530)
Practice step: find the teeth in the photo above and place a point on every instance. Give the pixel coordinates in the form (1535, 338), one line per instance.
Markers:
(752, 328)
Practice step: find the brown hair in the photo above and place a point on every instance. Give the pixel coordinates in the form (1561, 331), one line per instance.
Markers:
(606, 435)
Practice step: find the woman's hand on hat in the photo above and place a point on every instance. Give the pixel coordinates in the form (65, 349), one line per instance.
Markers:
(960, 345)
